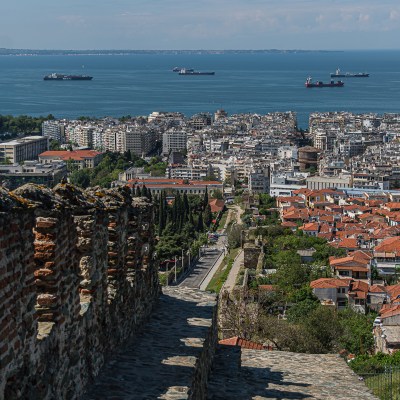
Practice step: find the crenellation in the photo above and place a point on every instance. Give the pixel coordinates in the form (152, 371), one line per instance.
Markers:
(62, 252)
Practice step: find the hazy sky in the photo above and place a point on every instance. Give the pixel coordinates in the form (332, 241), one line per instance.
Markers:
(200, 24)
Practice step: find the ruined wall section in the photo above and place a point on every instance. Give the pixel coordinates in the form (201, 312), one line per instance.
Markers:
(70, 290)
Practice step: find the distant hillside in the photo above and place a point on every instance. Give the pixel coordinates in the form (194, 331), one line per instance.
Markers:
(28, 52)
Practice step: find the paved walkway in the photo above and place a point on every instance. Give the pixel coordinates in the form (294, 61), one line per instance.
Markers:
(260, 374)
(158, 363)
(202, 269)
(231, 280)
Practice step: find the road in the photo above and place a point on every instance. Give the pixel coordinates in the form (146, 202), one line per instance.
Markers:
(200, 270)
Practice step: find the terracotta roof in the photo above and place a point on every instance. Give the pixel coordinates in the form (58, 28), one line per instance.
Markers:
(216, 205)
(243, 343)
(389, 245)
(326, 283)
(390, 312)
(70, 155)
(268, 288)
(377, 289)
(311, 226)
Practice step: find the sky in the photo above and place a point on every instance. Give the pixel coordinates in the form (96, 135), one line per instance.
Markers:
(200, 24)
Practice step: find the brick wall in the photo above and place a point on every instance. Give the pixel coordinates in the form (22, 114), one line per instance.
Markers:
(76, 279)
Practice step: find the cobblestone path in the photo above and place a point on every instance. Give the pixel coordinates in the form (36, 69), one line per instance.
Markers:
(159, 362)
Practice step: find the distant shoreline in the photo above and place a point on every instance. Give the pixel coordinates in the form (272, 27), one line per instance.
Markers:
(31, 52)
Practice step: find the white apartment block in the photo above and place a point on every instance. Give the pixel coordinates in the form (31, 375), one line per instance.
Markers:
(174, 141)
(54, 130)
(27, 148)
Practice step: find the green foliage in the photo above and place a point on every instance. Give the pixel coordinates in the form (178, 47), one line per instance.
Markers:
(21, 124)
(234, 233)
(357, 335)
(217, 194)
(374, 363)
(207, 216)
(54, 145)
(80, 177)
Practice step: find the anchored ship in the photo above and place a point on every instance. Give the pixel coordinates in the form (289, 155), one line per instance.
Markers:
(339, 74)
(310, 84)
(185, 71)
(62, 77)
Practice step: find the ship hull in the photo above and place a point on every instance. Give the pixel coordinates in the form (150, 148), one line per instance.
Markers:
(67, 78)
(320, 84)
(349, 75)
(196, 73)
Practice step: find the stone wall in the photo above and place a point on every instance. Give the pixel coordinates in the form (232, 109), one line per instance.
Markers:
(77, 278)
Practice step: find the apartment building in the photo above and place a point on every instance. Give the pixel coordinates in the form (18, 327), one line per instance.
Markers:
(27, 148)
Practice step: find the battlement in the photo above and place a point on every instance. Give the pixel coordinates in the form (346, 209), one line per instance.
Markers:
(77, 277)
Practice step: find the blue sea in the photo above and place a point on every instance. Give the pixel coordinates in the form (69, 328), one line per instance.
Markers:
(243, 83)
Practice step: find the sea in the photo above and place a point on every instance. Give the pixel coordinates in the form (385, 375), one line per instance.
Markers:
(138, 84)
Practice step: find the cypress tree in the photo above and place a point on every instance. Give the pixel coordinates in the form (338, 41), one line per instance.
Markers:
(149, 195)
(186, 208)
(138, 191)
(200, 224)
(161, 216)
(208, 215)
(144, 191)
(205, 199)
(191, 220)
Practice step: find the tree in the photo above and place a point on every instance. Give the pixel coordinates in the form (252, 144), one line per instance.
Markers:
(200, 224)
(357, 335)
(207, 216)
(205, 198)
(80, 177)
(54, 145)
(217, 194)
(234, 236)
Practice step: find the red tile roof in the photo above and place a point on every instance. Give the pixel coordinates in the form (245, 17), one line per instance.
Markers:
(243, 343)
(70, 155)
(326, 283)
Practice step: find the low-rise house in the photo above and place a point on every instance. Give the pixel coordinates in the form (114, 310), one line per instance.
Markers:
(332, 291)
(356, 266)
(310, 229)
(377, 296)
(358, 295)
(387, 256)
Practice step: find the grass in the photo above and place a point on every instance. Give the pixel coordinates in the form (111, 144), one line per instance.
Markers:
(222, 221)
(384, 385)
(221, 275)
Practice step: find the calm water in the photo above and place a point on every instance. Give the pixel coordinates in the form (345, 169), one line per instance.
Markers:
(140, 84)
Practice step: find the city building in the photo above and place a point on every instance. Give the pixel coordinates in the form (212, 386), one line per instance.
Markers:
(22, 149)
(54, 129)
(174, 141)
(15, 175)
(80, 158)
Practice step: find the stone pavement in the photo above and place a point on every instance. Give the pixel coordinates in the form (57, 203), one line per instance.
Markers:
(170, 358)
(259, 374)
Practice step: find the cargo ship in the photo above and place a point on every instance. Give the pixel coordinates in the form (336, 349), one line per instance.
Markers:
(339, 74)
(310, 84)
(62, 77)
(185, 71)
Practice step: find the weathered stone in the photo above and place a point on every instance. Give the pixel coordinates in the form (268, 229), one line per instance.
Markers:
(63, 314)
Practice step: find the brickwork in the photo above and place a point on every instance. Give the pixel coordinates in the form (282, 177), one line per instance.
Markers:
(70, 290)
